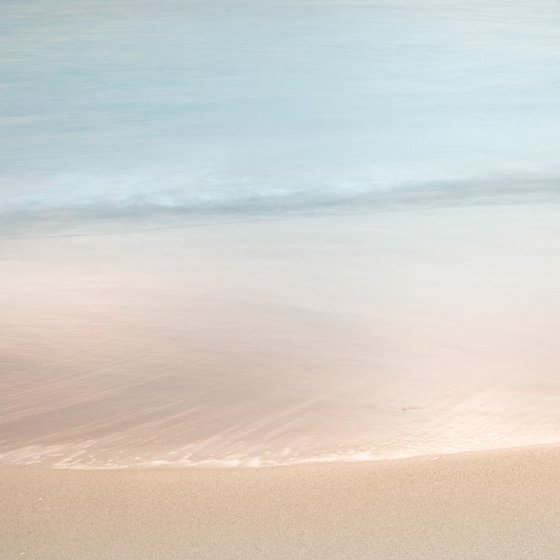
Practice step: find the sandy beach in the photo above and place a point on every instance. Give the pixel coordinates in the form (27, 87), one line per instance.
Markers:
(136, 364)
(279, 280)
(487, 505)
(246, 344)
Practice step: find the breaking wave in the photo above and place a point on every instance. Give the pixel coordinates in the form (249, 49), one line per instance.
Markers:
(82, 198)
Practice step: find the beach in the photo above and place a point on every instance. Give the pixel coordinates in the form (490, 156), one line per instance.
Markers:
(280, 342)
(280, 280)
(233, 391)
(483, 506)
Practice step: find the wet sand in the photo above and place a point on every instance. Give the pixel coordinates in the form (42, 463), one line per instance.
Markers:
(377, 336)
(486, 505)
(380, 336)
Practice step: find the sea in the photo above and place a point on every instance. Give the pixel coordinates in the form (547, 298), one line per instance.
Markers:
(240, 233)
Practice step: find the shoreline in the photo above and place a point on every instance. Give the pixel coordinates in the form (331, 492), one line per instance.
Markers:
(283, 341)
(342, 460)
(483, 505)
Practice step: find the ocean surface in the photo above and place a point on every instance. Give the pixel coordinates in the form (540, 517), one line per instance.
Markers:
(258, 233)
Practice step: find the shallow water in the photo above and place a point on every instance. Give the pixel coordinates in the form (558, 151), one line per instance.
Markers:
(347, 337)
(241, 233)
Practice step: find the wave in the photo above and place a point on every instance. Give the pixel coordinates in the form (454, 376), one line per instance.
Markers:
(82, 197)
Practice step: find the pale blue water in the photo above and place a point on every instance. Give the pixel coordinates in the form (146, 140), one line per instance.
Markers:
(374, 272)
(211, 106)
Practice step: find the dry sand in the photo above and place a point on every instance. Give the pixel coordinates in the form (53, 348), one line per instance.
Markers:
(487, 505)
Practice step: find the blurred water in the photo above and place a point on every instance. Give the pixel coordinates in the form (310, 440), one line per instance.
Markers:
(364, 336)
(255, 233)
(111, 107)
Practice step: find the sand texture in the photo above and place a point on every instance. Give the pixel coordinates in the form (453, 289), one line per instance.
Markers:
(490, 505)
